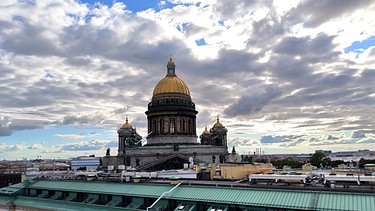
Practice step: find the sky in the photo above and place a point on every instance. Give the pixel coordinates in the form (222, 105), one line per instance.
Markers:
(284, 76)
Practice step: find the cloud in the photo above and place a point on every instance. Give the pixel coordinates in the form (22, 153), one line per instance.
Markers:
(359, 134)
(367, 140)
(86, 146)
(315, 13)
(8, 125)
(70, 136)
(331, 137)
(12, 147)
(82, 119)
(277, 139)
(36, 146)
(250, 104)
(243, 142)
(267, 67)
(362, 133)
(4, 126)
(52, 151)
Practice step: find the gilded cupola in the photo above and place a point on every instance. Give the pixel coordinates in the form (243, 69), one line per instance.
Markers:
(206, 131)
(218, 124)
(126, 125)
(171, 83)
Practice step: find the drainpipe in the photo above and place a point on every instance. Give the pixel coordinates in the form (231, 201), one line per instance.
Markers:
(162, 195)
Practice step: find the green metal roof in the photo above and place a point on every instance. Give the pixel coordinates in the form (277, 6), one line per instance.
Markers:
(344, 201)
(63, 205)
(292, 199)
(245, 196)
(126, 189)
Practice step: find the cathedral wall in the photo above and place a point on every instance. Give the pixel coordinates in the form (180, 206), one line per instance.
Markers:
(200, 153)
(172, 139)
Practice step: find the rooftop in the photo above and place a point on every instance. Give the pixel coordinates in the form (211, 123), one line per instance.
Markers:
(286, 199)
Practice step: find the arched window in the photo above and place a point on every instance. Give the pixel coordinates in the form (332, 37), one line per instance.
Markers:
(171, 126)
(161, 126)
(154, 128)
(184, 125)
(189, 126)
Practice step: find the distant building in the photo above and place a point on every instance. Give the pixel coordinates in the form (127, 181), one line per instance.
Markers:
(172, 138)
(7, 179)
(308, 167)
(13, 166)
(85, 163)
(369, 166)
(353, 156)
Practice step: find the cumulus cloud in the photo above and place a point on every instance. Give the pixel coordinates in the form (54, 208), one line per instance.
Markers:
(362, 133)
(36, 146)
(250, 104)
(8, 125)
(287, 67)
(86, 146)
(70, 136)
(277, 139)
(12, 147)
(4, 126)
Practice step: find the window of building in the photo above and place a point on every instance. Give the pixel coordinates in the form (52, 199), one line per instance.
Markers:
(154, 126)
(171, 126)
(161, 126)
(183, 125)
(189, 126)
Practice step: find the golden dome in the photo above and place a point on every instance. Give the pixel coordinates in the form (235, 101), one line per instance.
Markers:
(126, 125)
(206, 131)
(218, 124)
(171, 83)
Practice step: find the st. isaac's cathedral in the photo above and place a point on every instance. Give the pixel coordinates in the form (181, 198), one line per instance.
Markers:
(172, 137)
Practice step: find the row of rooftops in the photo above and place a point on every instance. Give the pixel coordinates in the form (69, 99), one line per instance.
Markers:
(220, 196)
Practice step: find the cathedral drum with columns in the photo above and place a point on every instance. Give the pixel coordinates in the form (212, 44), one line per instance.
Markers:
(172, 138)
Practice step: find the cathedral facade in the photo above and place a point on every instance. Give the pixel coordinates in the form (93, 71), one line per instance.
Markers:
(172, 139)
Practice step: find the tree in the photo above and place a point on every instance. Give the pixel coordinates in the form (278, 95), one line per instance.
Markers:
(317, 158)
(281, 163)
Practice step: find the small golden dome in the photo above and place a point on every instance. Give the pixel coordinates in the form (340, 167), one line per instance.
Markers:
(171, 62)
(206, 131)
(126, 125)
(218, 124)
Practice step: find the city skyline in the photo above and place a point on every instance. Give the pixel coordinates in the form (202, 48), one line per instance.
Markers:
(284, 76)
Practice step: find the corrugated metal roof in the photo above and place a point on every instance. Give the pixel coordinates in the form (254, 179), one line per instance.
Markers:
(245, 196)
(63, 205)
(293, 199)
(129, 189)
(345, 201)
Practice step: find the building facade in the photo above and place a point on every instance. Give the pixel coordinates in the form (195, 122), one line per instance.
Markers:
(172, 139)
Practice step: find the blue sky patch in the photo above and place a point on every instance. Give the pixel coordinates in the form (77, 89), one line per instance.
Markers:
(182, 27)
(48, 75)
(200, 42)
(360, 46)
(136, 5)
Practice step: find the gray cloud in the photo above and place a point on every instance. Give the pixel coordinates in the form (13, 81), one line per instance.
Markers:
(253, 103)
(93, 65)
(86, 146)
(316, 13)
(278, 139)
(82, 119)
